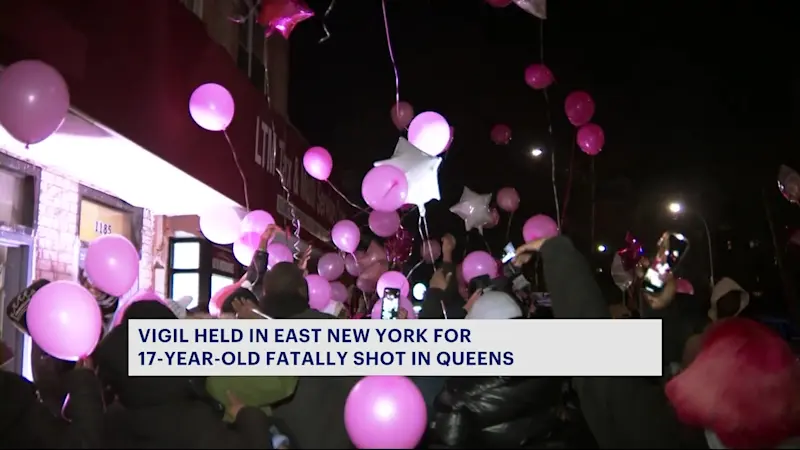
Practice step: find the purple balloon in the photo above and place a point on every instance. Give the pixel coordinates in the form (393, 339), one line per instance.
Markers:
(211, 106)
(366, 284)
(539, 227)
(64, 320)
(384, 224)
(346, 235)
(245, 247)
(429, 132)
(330, 266)
(579, 107)
(479, 263)
(34, 100)
(393, 280)
(405, 303)
(591, 138)
(351, 265)
(278, 253)
(385, 412)
(318, 163)
(319, 292)
(385, 188)
(112, 264)
(256, 221)
(508, 199)
(338, 292)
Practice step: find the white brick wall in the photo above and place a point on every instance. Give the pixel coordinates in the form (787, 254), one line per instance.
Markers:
(57, 242)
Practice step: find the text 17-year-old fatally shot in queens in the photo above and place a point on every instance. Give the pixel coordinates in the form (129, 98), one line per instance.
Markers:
(273, 347)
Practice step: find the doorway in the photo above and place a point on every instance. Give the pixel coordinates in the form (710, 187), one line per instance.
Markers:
(16, 273)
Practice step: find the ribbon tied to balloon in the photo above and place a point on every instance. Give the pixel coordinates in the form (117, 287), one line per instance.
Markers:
(283, 15)
(474, 209)
(421, 171)
(399, 247)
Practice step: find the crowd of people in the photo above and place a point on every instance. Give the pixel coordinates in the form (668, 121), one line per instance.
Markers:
(728, 382)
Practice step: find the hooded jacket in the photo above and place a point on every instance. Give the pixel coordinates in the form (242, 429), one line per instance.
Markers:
(723, 287)
(167, 412)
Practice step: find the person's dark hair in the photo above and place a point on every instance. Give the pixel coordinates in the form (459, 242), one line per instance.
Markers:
(285, 278)
(240, 293)
(728, 305)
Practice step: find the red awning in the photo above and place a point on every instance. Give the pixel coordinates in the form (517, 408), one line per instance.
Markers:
(133, 65)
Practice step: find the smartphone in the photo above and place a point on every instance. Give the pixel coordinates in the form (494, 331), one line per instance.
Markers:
(390, 303)
(508, 253)
(672, 247)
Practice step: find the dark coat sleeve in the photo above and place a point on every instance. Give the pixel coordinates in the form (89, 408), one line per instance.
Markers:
(622, 412)
(85, 410)
(252, 427)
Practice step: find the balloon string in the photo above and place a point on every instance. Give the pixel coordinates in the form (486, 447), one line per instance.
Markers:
(594, 198)
(239, 168)
(265, 61)
(295, 220)
(568, 190)
(508, 226)
(549, 130)
(414, 268)
(325, 19)
(424, 220)
(360, 208)
(391, 56)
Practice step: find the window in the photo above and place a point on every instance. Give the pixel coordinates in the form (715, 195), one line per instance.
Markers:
(195, 6)
(97, 220)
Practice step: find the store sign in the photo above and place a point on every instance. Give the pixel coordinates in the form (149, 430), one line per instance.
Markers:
(97, 220)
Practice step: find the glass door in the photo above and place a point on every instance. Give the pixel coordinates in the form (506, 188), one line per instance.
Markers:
(16, 272)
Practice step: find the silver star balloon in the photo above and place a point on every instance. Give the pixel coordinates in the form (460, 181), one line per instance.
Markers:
(422, 173)
(536, 7)
(474, 209)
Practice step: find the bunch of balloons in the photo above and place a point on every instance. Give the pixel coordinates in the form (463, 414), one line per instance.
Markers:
(34, 101)
(226, 225)
(579, 107)
(64, 318)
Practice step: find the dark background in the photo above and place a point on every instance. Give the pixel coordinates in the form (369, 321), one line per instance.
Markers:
(696, 100)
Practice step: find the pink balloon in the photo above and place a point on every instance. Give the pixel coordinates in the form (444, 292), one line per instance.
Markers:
(385, 188)
(318, 163)
(112, 264)
(375, 253)
(384, 224)
(319, 292)
(366, 285)
(501, 134)
(221, 224)
(338, 292)
(579, 107)
(431, 250)
(245, 247)
(539, 227)
(498, 3)
(591, 138)
(215, 304)
(330, 266)
(393, 280)
(34, 100)
(479, 263)
(405, 303)
(538, 76)
(346, 235)
(429, 132)
(144, 294)
(256, 221)
(684, 286)
(278, 253)
(401, 114)
(508, 199)
(211, 106)
(351, 265)
(64, 320)
(385, 412)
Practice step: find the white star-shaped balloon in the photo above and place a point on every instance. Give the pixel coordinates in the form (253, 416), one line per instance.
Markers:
(422, 173)
(474, 209)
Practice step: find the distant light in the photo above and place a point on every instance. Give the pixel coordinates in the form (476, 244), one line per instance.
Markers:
(419, 291)
(601, 248)
(537, 152)
(675, 207)
(417, 308)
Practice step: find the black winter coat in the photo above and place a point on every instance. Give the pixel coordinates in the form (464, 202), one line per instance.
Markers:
(495, 412)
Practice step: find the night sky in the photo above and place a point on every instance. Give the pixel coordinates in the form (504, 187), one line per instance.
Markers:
(696, 100)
